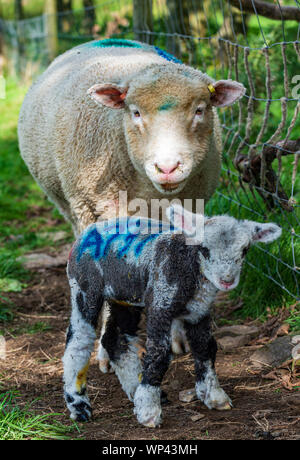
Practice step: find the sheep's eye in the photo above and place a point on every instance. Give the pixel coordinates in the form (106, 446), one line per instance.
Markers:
(245, 250)
(136, 114)
(199, 111)
(205, 252)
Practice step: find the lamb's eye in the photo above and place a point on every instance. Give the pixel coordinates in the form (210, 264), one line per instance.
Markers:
(205, 252)
(199, 111)
(136, 114)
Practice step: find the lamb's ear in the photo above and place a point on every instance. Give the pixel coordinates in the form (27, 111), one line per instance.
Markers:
(180, 218)
(109, 94)
(192, 225)
(225, 92)
(264, 233)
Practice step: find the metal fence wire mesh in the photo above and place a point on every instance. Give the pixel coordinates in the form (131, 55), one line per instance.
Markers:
(226, 39)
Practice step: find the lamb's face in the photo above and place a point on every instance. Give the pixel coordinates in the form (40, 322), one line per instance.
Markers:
(225, 245)
(168, 120)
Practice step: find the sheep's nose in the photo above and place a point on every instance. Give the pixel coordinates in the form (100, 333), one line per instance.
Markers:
(166, 169)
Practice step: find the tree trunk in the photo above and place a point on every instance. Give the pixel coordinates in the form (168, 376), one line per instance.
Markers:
(178, 22)
(64, 17)
(142, 20)
(89, 16)
(19, 12)
(51, 18)
(19, 15)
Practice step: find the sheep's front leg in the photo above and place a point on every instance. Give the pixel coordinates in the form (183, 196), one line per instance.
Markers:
(79, 345)
(147, 398)
(204, 348)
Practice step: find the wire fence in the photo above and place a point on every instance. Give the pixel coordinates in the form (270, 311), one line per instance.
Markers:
(226, 39)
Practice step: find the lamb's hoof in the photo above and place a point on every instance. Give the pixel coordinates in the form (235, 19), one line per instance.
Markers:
(218, 400)
(179, 347)
(151, 423)
(105, 367)
(147, 406)
(81, 412)
(225, 406)
(179, 341)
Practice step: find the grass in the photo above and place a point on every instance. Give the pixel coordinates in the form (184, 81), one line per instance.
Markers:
(34, 328)
(22, 423)
(27, 218)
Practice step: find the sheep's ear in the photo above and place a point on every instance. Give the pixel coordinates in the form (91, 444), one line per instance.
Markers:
(264, 233)
(225, 92)
(109, 94)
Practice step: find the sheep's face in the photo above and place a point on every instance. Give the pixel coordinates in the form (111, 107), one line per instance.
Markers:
(168, 133)
(225, 243)
(168, 120)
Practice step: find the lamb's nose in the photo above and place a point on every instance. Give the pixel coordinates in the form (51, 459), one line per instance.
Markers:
(167, 169)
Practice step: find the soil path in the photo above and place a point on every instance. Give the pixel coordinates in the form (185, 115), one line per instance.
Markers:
(262, 408)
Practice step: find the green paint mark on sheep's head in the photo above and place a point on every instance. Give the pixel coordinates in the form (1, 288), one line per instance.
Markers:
(168, 104)
(114, 42)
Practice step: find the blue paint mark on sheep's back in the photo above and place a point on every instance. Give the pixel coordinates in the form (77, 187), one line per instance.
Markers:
(123, 43)
(124, 234)
(116, 42)
(167, 56)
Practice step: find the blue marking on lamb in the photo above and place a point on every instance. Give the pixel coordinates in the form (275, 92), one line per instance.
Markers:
(124, 234)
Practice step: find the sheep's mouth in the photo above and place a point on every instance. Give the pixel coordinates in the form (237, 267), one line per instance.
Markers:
(168, 186)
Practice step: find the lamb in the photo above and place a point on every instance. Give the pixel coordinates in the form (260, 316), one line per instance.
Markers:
(123, 262)
(119, 115)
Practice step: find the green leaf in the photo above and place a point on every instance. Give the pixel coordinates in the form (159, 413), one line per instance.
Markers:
(11, 285)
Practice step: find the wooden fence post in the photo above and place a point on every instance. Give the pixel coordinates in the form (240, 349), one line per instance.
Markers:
(142, 20)
(51, 21)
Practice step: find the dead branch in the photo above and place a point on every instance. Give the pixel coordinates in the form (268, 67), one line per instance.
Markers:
(250, 172)
(268, 10)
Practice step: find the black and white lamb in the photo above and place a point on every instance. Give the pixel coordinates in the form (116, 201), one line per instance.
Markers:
(134, 263)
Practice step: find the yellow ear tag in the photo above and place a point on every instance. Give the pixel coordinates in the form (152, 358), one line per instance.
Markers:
(211, 89)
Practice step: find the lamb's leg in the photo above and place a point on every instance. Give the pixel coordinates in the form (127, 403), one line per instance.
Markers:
(204, 348)
(178, 337)
(79, 345)
(102, 355)
(147, 398)
(121, 342)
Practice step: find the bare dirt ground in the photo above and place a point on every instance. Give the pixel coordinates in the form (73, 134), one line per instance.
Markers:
(263, 409)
